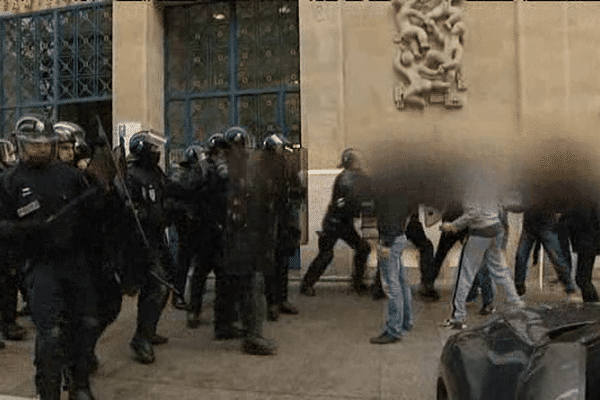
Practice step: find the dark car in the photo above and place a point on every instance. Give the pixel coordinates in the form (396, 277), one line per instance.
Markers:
(547, 352)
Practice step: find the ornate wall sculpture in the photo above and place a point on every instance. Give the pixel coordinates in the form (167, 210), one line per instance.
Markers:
(429, 48)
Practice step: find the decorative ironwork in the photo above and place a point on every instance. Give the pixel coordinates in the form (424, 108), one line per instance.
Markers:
(231, 63)
(55, 57)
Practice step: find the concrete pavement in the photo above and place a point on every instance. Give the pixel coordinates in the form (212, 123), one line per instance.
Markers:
(324, 353)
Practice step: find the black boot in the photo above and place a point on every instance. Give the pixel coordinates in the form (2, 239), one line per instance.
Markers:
(288, 308)
(14, 331)
(193, 317)
(142, 350)
(79, 387)
(273, 312)
(259, 346)
(92, 363)
(49, 390)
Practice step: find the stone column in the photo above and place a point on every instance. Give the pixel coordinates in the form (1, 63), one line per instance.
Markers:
(138, 65)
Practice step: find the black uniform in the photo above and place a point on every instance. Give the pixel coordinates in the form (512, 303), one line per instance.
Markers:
(10, 266)
(584, 229)
(338, 223)
(61, 286)
(288, 197)
(249, 246)
(146, 184)
(199, 197)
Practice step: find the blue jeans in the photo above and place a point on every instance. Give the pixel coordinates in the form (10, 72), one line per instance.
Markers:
(557, 251)
(393, 273)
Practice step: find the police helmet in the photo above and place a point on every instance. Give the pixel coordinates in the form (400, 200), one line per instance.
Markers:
(349, 159)
(273, 141)
(215, 142)
(237, 136)
(34, 128)
(7, 151)
(145, 145)
(193, 154)
(71, 132)
(68, 132)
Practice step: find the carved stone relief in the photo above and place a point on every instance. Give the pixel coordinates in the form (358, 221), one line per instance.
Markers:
(429, 48)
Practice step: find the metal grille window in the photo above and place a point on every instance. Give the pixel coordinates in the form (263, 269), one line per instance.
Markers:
(231, 63)
(53, 59)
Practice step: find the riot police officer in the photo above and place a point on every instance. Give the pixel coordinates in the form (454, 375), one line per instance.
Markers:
(288, 195)
(187, 194)
(42, 203)
(249, 239)
(349, 188)
(149, 255)
(9, 266)
(72, 146)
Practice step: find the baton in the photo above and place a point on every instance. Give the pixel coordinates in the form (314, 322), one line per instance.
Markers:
(156, 276)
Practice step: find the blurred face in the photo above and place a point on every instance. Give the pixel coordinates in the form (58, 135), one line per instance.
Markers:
(66, 152)
(154, 154)
(37, 153)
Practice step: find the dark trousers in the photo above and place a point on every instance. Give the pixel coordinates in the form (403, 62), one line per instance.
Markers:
(327, 241)
(109, 303)
(153, 295)
(9, 295)
(555, 242)
(200, 266)
(447, 241)
(63, 310)
(583, 275)
(416, 234)
(244, 294)
(276, 278)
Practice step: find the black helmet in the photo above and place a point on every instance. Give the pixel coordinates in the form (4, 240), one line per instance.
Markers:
(7, 151)
(34, 128)
(273, 141)
(236, 135)
(146, 145)
(349, 159)
(215, 142)
(193, 154)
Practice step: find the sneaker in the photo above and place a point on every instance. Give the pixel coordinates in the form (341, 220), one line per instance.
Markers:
(384, 338)
(287, 308)
(141, 350)
(308, 291)
(520, 288)
(259, 346)
(157, 339)
(14, 331)
(454, 324)
(487, 309)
